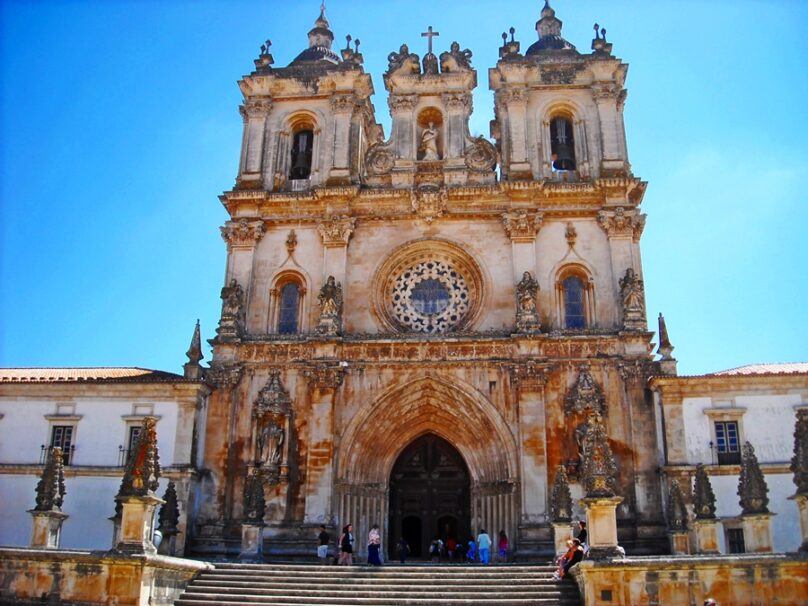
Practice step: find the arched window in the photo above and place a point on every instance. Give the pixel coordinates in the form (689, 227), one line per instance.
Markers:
(289, 308)
(575, 298)
(574, 306)
(302, 145)
(287, 304)
(562, 144)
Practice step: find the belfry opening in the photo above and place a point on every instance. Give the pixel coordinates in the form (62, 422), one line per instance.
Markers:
(429, 496)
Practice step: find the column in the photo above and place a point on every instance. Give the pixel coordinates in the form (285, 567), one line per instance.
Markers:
(47, 529)
(401, 110)
(705, 536)
(601, 523)
(336, 232)
(137, 523)
(757, 532)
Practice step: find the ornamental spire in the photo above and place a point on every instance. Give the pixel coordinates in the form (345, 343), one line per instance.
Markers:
(665, 348)
(703, 495)
(799, 462)
(50, 491)
(321, 34)
(548, 25)
(561, 500)
(751, 484)
(194, 353)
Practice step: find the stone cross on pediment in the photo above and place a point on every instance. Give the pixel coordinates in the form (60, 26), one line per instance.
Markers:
(429, 34)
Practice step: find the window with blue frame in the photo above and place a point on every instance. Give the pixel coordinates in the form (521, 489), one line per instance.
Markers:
(727, 443)
(288, 320)
(574, 304)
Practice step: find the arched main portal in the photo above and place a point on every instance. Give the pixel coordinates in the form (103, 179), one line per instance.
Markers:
(434, 405)
(429, 495)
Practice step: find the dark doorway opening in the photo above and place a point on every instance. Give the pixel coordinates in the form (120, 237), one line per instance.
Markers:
(429, 496)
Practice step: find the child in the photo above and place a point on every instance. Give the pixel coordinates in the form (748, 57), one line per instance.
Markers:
(471, 552)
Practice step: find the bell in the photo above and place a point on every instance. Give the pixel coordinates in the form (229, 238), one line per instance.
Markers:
(301, 166)
(563, 146)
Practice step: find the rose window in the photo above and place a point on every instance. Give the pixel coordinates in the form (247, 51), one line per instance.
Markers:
(430, 297)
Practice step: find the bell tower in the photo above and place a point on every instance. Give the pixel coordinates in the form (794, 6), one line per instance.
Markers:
(559, 112)
(308, 123)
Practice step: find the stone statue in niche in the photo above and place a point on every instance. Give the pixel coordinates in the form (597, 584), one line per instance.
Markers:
(527, 315)
(429, 143)
(632, 293)
(232, 307)
(586, 395)
(330, 299)
(270, 414)
(271, 440)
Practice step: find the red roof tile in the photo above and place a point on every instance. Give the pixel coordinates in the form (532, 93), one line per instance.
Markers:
(87, 375)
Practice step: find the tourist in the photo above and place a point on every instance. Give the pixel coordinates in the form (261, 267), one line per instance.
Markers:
(374, 546)
(582, 535)
(322, 548)
(403, 550)
(346, 543)
(502, 546)
(451, 547)
(574, 554)
(484, 544)
(471, 552)
(434, 550)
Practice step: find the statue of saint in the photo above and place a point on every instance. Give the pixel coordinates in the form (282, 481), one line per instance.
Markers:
(526, 293)
(429, 143)
(330, 297)
(631, 291)
(232, 298)
(270, 443)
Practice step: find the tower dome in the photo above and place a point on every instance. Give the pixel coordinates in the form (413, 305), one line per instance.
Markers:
(549, 30)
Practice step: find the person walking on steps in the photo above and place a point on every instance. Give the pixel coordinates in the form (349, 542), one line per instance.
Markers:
(484, 543)
(322, 548)
(346, 543)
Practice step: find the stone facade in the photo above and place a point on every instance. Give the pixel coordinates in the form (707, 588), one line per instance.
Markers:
(465, 305)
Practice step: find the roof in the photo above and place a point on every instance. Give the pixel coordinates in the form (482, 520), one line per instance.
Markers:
(789, 368)
(89, 375)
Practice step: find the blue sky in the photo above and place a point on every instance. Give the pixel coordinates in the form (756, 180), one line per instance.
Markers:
(119, 128)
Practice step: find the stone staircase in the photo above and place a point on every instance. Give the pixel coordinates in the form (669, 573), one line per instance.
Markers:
(242, 584)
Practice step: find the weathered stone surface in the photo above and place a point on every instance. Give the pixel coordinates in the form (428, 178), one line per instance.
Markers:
(683, 581)
(81, 577)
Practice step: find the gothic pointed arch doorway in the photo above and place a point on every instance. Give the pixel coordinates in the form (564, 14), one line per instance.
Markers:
(429, 495)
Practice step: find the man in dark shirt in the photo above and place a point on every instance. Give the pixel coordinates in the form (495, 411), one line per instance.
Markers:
(322, 549)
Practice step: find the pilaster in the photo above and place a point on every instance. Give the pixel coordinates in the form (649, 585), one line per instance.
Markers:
(47, 528)
(335, 232)
(601, 523)
(325, 379)
(757, 532)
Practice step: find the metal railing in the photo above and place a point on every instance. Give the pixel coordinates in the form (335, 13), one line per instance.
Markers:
(67, 454)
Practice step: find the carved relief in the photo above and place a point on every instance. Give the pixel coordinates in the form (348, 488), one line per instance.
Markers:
(481, 155)
(527, 314)
(430, 297)
(224, 376)
(521, 225)
(429, 202)
(291, 242)
(336, 230)
(528, 375)
(621, 223)
(559, 75)
(325, 376)
(232, 321)
(242, 232)
(632, 294)
(457, 101)
(571, 234)
(330, 301)
(343, 103)
(380, 159)
(585, 396)
(403, 103)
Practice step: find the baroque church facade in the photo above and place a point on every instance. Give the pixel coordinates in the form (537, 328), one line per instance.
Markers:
(417, 329)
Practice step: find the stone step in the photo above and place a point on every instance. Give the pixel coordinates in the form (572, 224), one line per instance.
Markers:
(231, 584)
(356, 601)
(206, 581)
(438, 591)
